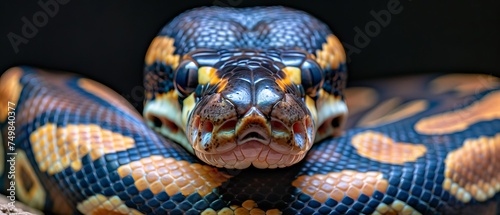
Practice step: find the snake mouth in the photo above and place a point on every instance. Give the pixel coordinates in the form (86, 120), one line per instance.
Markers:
(253, 146)
(251, 153)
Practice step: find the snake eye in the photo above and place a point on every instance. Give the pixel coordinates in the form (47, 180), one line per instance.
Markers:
(312, 77)
(186, 77)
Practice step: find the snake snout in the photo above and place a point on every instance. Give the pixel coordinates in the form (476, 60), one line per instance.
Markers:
(278, 139)
(269, 124)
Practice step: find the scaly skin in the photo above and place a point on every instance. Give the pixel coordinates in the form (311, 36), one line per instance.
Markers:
(412, 146)
(254, 86)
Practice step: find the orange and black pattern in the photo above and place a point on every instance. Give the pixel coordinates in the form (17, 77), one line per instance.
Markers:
(415, 145)
(253, 86)
(81, 148)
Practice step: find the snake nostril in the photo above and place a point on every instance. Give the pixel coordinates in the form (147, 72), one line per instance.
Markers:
(298, 128)
(208, 127)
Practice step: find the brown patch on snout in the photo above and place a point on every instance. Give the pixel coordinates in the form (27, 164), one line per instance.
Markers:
(253, 126)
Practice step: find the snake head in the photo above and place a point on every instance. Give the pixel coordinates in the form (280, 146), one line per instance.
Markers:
(245, 107)
(249, 89)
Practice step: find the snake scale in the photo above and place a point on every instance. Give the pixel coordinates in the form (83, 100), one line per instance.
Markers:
(246, 113)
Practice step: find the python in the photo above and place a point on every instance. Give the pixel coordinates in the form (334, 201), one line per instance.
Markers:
(248, 96)
(83, 149)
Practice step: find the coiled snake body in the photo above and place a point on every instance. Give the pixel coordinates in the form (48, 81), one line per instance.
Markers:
(258, 93)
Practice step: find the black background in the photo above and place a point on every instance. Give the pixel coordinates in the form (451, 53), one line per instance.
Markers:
(107, 40)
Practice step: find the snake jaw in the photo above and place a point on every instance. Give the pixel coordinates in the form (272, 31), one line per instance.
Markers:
(278, 139)
(251, 153)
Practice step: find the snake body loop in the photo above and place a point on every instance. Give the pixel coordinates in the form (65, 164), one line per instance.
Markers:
(259, 92)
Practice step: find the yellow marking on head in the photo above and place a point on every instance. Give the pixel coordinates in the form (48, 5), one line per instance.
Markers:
(166, 107)
(188, 106)
(311, 105)
(330, 106)
(25, 177)
(100, 204)
(376, 146)
(462, 178)
(222, 85)
(170, 95)
(207, 74)
(57, 148)
(247, 207)
(293, 75)
(162, 49)
(282, 84)
(464, 84)
(108, 95)
(337, 185)
(332, 53)
(168, 175)
(392, 110)
(459, 120)
(10, 90)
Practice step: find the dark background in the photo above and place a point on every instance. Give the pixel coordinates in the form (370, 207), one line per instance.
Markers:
(107, 40)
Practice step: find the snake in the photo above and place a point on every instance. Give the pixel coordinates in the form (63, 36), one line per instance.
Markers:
(246, 111)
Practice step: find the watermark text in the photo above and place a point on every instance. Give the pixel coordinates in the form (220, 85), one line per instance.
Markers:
(11, 152)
